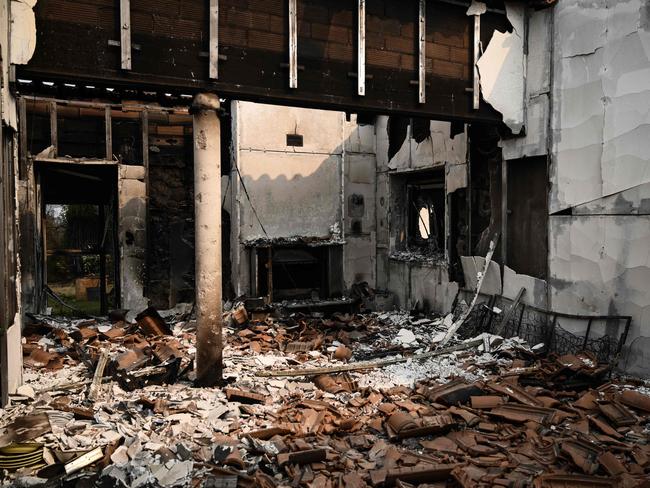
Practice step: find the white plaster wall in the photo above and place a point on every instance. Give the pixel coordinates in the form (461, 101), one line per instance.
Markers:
(360, 247)
(430, 286)
(601, 265)
(437, 150)
(426, 286)
(265, 128)
(294, 194)
(132, 216)
(359, 260)
(9, 45)
(295, 191)
(440, 148)
(411, 283)
(7, 102)
(537, 87)
(14, 356)
(359, 138)
(303, 192)
(599, 258)
(601, 100)
(502, 69)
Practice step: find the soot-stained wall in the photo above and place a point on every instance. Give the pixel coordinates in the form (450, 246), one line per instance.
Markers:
(170, 260)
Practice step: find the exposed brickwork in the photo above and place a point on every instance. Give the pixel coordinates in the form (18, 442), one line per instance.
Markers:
(327, 28)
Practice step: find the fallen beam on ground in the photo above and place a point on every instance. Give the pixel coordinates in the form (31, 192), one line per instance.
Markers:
(370, 365)
(96, 386)
(461, 320)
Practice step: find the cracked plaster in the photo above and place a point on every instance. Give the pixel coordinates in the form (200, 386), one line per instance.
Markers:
(23, 31)
(502, 70)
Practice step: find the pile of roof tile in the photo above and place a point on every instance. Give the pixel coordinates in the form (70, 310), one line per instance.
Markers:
(113, 405)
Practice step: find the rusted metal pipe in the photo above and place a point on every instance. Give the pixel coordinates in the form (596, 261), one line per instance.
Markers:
(207, 205)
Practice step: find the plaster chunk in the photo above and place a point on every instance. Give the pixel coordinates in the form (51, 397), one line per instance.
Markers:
(23, 31)
(476, 8)
(456, 177)
(501, 70)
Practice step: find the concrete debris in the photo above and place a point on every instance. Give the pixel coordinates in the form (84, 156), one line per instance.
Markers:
(406, 338)
(486, 412)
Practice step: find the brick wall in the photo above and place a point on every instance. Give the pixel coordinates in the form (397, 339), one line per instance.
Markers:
(76, 41)
(327, 29)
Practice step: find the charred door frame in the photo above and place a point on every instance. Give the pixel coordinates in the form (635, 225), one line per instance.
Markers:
(39, 166)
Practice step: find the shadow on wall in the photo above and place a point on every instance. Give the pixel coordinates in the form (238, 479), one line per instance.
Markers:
(297, 195)
(636, 358)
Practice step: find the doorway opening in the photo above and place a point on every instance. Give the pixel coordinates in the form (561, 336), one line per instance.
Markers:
(81, 267)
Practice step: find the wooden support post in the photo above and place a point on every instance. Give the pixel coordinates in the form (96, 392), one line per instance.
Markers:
(207, 205)
(521, 317)
(503, 326)
(125, 33)
(214, 40)
(54, 134)
(109, 133)
(269, 276)
(293, 44)
(361, 49)
(103, 302)
(22, 134)
(584, 344)
(422, 54)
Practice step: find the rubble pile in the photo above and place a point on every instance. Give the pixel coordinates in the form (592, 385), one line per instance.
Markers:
(343, 401)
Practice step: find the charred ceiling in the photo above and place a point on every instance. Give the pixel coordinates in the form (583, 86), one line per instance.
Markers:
(171, 50)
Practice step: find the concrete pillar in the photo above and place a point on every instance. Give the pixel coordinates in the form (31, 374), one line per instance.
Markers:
(207, 205)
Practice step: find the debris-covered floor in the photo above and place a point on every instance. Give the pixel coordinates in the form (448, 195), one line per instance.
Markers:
(112, 404)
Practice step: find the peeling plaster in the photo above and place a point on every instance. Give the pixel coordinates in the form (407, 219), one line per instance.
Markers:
(599, 258)
(601, 94)
(456, 177)
(23, 31)
(436, 150)
(132, 236)
(14, 355)
(633, 201)
(538, 80)
(476, 8)
(472, 266)
(7, 101)
(502, 70)
(536, 289)
(600, 265)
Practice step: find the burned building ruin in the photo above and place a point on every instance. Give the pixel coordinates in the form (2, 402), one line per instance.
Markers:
(302, 178)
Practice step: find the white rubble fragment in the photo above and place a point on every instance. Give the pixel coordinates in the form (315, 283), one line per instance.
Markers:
(172, 473)
(111, 436)
(26, 391)
(268, 360)
(405, 338)
(476, 8)
(120, 456)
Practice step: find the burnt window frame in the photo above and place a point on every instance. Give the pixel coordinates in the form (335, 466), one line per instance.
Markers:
(415, 187)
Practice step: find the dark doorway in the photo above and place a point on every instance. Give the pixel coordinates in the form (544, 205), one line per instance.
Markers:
(299, 272)
(528, 216)
(79, 222)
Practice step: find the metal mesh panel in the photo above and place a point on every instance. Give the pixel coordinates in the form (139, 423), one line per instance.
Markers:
(538, 326)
